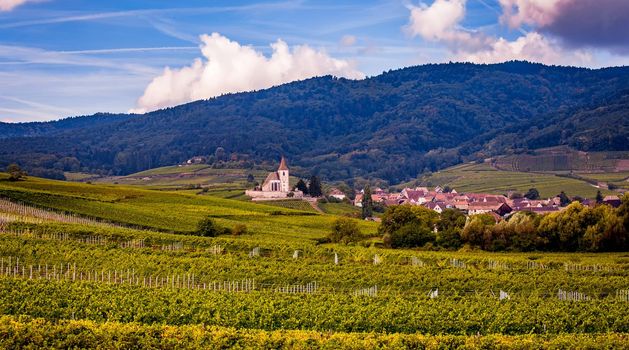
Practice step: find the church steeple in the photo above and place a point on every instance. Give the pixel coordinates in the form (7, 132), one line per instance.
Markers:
(282, 172)
(283, 165)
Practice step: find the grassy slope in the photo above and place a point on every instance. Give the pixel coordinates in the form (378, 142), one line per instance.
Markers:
(484, 178)
(163, 210)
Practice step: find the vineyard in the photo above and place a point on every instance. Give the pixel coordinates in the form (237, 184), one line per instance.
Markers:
(486, 179)
(85, 265)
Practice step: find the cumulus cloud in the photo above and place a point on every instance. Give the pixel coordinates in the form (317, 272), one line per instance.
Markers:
(530, 47)
(578, 23)
(440, 22)
(228, 67)
(531, 12)
(8, 5)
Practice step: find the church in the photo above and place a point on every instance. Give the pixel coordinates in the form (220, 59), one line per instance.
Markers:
(275, 186)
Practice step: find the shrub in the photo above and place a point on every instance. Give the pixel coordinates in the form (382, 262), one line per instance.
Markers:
(345, 231)
(240, 229)
(15, 172)
(208, 228)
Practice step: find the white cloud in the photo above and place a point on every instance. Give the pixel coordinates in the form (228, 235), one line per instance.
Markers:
(440, 22)
(437, 21)
(530, 47)
(8, 5)
(531, 12)
(229, 67)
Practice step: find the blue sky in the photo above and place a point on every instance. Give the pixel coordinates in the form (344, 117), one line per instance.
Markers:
(66, 58)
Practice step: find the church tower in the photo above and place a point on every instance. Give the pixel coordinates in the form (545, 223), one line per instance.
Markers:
(282, 172)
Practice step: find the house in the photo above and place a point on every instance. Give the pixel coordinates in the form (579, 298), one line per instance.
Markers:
(484, 207)
(275, 186)
(338, 194)
(436, 206)
(196, 160)
(614, 201)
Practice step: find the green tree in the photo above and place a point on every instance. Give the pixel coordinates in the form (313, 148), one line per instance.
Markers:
(411, 235)
(450, 225)
(250, 178)
(367, 203)
(301, 186)
(220, 154)
(563, 199)
(408, 225)
(208, 228)
(15, 172)
(314, 188)
(532, 194)
(599, 197)
(474, 230)
(344, 230)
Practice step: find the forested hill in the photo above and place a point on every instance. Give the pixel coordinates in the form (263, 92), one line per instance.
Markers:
(392, 126)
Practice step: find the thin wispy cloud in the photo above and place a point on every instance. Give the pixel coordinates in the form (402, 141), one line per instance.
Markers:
(39, 105)
(131, 49)
(18, 55)
(148, 12)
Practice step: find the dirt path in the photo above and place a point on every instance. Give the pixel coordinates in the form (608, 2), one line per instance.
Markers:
(313, 204)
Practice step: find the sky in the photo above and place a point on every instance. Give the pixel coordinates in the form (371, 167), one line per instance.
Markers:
(61, 58)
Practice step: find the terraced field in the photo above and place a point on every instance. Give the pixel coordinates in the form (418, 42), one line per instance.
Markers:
(484, 178)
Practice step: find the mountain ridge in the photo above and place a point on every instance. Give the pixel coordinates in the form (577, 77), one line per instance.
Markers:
(393, 126)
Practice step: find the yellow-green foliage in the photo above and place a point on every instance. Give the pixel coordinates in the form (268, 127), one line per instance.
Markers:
(62, 313)
(24, 332)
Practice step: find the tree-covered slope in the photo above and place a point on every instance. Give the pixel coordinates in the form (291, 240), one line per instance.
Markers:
(392, 126)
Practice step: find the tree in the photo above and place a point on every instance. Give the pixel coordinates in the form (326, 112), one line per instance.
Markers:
(599, 197)
(220, 154)
(532, 194)
(301, 186)
(208, 228)
(314, 188)
(563, 199)
(412, 235)
(15, 172)
(474, 230)
(345, 231)
(408, 226)
(367, 203)
(250, 178)
(450, 225)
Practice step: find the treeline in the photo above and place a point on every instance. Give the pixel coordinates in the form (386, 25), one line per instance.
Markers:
(576, 228)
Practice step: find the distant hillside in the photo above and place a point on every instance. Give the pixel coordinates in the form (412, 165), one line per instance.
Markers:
(8, 130)
(563, 159)
(471, 177)
(393, 126)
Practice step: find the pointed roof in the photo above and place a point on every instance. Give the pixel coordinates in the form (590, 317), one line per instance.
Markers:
(271, 177)
(283, 165)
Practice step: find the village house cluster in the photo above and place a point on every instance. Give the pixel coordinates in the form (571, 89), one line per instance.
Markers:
(471, 203)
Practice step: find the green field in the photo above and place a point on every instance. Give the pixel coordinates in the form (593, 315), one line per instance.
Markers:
(66, 285)
(473, 177)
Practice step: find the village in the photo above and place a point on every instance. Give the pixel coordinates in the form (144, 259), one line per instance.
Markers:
(276, 187)
(497, 205)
